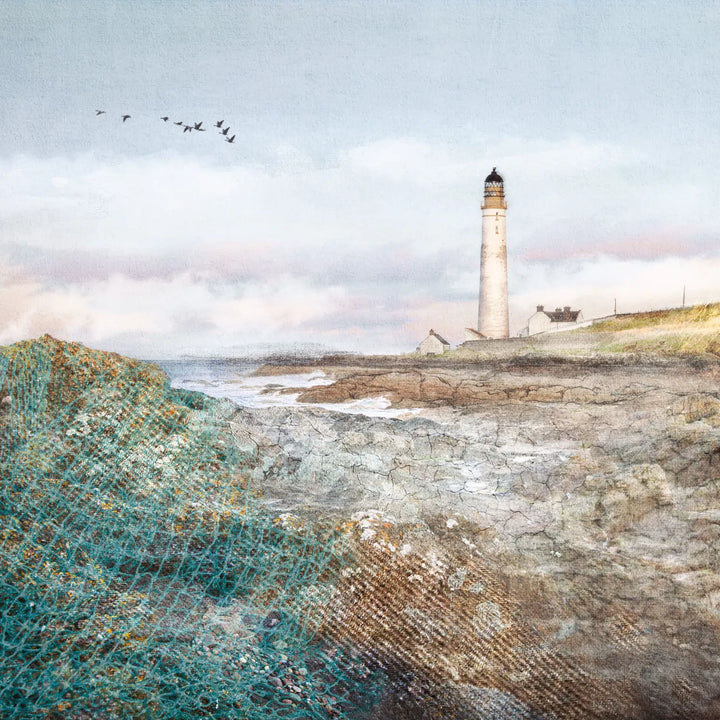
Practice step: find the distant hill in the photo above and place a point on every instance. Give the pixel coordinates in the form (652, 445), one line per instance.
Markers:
(265, 351)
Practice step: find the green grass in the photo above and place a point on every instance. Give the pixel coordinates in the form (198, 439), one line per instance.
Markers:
(669, 345)
(686, 331)
(654, 318)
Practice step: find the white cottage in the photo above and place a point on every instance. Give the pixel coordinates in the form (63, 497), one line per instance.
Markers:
(471, 335)
(553, 320)
(433, 344)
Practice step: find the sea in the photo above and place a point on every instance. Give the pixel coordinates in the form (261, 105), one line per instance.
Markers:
(236, 379)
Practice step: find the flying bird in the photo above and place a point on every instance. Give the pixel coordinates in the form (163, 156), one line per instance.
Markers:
(187, 128)
(225, 131)
(219, 123)
(232, 139)
(179, 123)
(125, 117)
(99, 112)
(165, 119)
(198, 127)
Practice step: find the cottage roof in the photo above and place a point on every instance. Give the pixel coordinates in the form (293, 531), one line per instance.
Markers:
(562, 314)
(439, 337)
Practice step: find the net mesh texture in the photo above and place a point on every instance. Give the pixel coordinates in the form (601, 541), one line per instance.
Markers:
(140, 577)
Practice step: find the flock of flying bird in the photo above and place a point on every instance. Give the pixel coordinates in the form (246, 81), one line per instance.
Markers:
(197, 127)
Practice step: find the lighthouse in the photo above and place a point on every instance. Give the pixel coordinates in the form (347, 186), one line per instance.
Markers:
(493, 319)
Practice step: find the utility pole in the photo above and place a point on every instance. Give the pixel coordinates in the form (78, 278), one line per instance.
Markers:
(615, 309)
(683, 296)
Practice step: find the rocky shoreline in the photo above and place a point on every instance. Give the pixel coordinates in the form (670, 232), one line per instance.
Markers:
(528, 537)
(586, 492)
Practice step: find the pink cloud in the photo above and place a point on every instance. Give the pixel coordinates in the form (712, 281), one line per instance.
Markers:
(639, 246)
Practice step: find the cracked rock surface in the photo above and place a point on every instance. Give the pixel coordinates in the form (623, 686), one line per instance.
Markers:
(547, 534)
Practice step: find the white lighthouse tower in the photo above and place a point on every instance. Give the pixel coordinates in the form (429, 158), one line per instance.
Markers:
(493, 318)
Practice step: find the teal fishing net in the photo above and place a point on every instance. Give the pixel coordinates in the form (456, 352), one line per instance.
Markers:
(140, 577)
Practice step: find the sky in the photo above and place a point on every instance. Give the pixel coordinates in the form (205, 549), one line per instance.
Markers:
(346, 213)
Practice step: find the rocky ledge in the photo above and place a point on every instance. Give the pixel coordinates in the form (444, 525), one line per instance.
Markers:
(528, 378)
(544, 531)
(538, 539)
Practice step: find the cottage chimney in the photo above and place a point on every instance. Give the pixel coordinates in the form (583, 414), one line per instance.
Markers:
(540, 308)
(567, 308)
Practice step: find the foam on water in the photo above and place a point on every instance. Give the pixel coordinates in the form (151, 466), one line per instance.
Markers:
(371, 407)
(235, 382)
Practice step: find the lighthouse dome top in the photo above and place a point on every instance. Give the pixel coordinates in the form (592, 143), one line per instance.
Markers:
(494, 177)
(494, 192)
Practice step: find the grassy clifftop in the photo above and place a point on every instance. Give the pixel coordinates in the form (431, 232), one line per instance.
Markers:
(679, 331)
(694, 317)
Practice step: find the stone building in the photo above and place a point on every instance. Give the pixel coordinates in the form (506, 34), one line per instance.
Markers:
(553, 320)
(471, 335)
(493, 316)
(433, 344)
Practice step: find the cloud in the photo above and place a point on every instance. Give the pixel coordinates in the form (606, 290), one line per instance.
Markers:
(172, 251)
(594, 285)
(664, 242)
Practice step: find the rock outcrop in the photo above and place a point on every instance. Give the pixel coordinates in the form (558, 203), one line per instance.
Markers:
(538, 539)
(547, 533)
